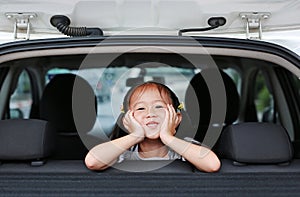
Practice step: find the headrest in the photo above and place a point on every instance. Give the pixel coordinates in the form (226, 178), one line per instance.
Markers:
(254, 142)
(26, 139)
(198, 101)
(60, 102)
(198, 93)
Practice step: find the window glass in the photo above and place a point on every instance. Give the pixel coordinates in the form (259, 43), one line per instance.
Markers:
(235, 76)
(21, 99)
(111, 84)
(264, 101)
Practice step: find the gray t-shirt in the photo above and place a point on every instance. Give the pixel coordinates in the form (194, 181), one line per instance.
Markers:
(133, 154)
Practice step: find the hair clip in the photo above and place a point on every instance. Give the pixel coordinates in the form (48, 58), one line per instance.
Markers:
(122, 109)
(180, 106)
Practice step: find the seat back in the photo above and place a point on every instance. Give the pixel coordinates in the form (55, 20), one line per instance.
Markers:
(26, 139)
(69, 113)
(199, 103)
(255, 143)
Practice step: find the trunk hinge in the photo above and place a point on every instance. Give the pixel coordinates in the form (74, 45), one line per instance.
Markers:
(21, 23)
(254, 23)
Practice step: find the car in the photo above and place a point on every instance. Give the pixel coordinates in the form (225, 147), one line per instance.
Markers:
(61, 94)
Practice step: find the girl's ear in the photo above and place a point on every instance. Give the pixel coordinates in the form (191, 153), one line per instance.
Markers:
(179, 115)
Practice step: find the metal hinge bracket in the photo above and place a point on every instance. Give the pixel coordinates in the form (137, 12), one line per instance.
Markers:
(21, 22)
(253, 23)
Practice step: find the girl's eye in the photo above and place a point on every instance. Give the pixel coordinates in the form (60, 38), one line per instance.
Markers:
(140, 108)
(159, 106)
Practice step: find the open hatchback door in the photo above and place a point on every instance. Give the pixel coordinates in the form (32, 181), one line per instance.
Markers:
(66, 66)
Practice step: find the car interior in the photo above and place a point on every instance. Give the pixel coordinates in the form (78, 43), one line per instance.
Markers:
(237, 105)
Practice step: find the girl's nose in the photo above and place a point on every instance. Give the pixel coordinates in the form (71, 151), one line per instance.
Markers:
(151, 112)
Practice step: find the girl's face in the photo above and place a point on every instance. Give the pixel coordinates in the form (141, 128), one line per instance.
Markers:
(149, 110)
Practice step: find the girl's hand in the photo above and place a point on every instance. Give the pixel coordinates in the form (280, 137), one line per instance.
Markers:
(133, 126)
(172, 120)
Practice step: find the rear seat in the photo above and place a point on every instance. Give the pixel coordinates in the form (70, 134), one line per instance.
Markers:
(254, 143)
(26, 140)
(255, 146)
(198, 99)
(58, 106)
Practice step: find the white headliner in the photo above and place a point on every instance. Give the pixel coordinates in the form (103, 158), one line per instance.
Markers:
(157, 17)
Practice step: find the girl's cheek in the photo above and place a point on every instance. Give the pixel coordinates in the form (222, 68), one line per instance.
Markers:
(161, 112)
(137, 114)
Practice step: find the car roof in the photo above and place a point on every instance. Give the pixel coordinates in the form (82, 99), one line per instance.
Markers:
(279, 19)
(162, 16)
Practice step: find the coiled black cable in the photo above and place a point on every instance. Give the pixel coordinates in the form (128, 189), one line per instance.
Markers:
(62, 23)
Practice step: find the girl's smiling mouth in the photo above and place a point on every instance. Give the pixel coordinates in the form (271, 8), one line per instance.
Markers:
(152, 124)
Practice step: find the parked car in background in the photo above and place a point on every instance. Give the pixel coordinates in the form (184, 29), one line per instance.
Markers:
(68, 65)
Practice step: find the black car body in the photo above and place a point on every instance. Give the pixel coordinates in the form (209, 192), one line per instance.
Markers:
(62, 96)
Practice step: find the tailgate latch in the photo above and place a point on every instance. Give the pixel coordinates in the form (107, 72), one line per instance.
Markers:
(21, 23)
(253, 23)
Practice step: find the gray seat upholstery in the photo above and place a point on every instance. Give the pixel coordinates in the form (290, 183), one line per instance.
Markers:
(255, 143)
(26, 139)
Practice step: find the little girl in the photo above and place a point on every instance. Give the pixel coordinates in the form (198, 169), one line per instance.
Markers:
(151, 120)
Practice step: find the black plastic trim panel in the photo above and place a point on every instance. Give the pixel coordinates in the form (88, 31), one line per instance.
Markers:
(231, 43)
